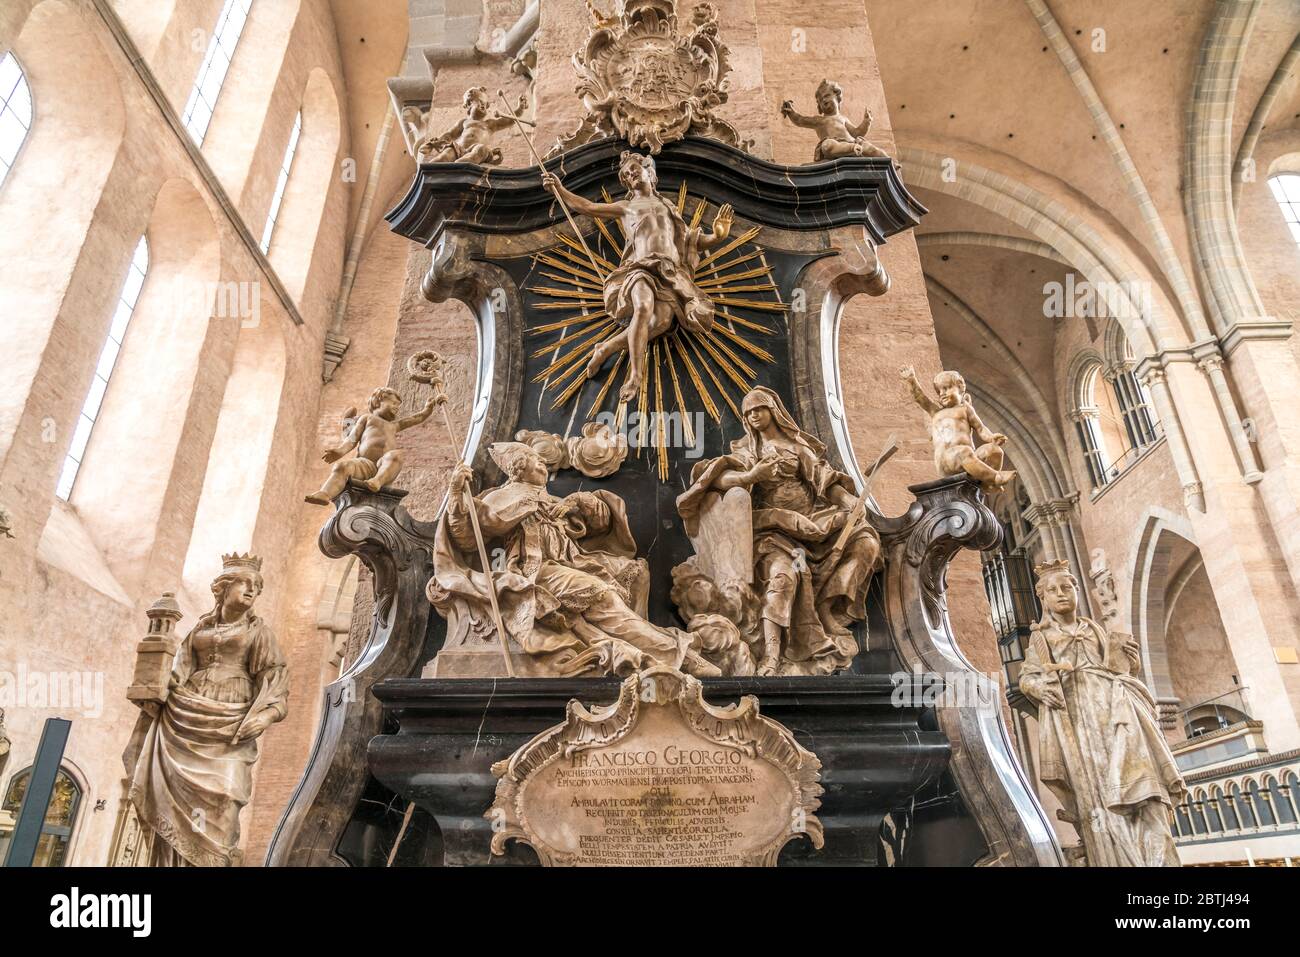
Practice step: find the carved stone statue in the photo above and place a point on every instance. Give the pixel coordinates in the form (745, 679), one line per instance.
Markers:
(190, 760)
(373, 435)
(654, 284)
(470, 140)
(953, 428)
(773, 512)
(837, 134)
(571, 590)
(1100, 747)
(645, 80)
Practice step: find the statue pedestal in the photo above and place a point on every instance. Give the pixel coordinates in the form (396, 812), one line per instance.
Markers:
(875, 757)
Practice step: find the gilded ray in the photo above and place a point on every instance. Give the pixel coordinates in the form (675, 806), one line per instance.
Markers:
(748, 324)
(704, 364)
(661, 443)
(580, 283)
(601, 326)
(744, 343)
(604, 389)
(701, 389)
(567, 266)
(687, 429)
(751, 304)
(718, 267)
(735, 277)
(736, 243)
(565, 323)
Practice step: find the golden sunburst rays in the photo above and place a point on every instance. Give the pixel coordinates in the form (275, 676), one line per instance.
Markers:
(685, 371)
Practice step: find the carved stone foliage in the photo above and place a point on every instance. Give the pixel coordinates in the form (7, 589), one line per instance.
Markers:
(673, 781)
(650, 80)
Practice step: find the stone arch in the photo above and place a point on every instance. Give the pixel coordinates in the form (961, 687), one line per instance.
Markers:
(1186, 655)
(136, 469)
(1078, 243)
(311, 182)
(77, 114)
(239, 459)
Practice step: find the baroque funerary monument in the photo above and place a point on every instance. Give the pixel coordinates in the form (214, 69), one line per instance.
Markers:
(904, 353)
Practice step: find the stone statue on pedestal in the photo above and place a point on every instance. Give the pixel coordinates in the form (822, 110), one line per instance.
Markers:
(954, 426)
(773, 512)
(373, 434)
(837, 134)
(470, 139)
(190, 760)
(571, 591)
(1100, 747)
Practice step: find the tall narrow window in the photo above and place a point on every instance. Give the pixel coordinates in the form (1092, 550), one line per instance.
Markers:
(15, 111)
(281, 182)
(1135, 409)
(212, 72)
(104, 371)
(1286, 190)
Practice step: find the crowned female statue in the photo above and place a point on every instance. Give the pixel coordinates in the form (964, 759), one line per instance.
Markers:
(812, 581)
(571, 591)
(191, 758)
(1100, 747)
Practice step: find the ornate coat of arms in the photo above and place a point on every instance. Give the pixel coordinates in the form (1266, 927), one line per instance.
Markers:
(641, 78)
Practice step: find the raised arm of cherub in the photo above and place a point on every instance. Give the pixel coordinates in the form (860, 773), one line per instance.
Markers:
(416, 417)
(861, 128)
(797, 118)
(908, 375)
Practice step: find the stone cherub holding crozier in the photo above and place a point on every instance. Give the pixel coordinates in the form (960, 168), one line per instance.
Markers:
(954, 426)
(654, 285)
(1100, 747)
(773, 515)
(470, 140)
(838, 135)
(571, 591)
(374, 435)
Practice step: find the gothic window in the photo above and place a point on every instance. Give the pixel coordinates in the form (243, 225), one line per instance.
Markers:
(281, 182)
(212, 72)
(15, 111)
(104, 370)
(60, 817)
(1286, 190)
(1140, 426)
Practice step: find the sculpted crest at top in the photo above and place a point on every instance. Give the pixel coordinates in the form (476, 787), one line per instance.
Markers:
(650, 80)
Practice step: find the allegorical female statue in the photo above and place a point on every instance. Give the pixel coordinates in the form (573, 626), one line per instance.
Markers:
(194, 753)
(812, 586)
(571, 591)
(1100, 747)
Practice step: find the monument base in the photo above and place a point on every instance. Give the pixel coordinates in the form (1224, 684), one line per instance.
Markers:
(878, 760)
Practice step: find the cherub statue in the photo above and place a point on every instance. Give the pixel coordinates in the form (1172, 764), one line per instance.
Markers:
(469, 141)
(377, 462)
(571, 591)
(839, 135)
(654, 285)
(1100, 747)
(954, 426)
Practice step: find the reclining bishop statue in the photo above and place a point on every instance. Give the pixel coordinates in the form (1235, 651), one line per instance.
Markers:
(571, 592)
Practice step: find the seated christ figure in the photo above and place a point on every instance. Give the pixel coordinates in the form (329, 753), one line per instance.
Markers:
(654, 285)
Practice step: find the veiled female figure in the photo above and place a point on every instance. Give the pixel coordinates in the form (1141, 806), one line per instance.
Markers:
(191, 759)
(811, 589)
